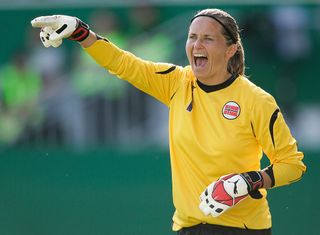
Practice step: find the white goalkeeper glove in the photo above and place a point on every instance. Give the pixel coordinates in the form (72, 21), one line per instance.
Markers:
(57, 27)
(228, 191)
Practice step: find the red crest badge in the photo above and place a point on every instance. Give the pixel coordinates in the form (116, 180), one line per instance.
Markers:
(231, 110)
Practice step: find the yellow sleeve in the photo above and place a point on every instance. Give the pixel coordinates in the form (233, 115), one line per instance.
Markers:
(159, 80)
(277, 142)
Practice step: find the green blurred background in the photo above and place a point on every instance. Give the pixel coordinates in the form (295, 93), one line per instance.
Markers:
(113, 191)
(95, 161)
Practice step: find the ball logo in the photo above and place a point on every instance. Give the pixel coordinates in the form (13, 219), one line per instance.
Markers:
(231, 110)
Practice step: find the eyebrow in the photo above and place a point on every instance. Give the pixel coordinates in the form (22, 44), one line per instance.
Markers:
(205, 35)
(234, 40)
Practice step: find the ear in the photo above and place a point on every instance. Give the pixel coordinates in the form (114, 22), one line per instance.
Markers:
(232, 49)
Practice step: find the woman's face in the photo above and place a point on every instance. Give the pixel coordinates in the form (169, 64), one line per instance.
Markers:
(206, 49)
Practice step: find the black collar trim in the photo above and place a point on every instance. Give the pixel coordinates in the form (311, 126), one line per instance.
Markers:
(211, 88)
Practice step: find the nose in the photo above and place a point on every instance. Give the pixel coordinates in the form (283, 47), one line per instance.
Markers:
(198, 43)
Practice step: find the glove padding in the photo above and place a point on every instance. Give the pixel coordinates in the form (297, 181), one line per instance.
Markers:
(57, 27)
(228, 191)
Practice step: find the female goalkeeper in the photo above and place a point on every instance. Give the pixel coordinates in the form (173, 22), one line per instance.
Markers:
(220, 123)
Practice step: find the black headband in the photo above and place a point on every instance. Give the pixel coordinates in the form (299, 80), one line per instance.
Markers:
(234, 40)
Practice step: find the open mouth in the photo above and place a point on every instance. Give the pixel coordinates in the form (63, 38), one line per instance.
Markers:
(200, 60)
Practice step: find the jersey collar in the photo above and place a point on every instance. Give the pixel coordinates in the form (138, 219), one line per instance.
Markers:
(211, 88)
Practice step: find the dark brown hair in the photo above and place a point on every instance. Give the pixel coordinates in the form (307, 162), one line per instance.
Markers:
(230, 31)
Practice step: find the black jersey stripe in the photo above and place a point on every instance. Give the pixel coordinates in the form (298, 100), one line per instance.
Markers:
(190, 106)
(101, 38)
(273, 119)
(169, 70)
(254, 134)
(173, 95)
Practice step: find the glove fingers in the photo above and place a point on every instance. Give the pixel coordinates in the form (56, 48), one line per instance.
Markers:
(45, 35)
(56, 43)
(204, 195)
(43, 21)
(45, 39)
(215, 214)
(58, 36)
(204, 208)
(47, 29)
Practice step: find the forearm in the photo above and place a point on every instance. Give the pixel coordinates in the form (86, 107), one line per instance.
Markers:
(92, 38)
(266, 180)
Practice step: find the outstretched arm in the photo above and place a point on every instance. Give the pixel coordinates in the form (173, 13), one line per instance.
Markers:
(156, 79)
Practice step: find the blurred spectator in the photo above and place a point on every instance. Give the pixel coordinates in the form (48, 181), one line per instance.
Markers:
(307, 126)
(155, 45)
(62, 113)
(292, 41)
(256, 24)
(20, 88)
(292, 38)
(148, 42)
(87, 78)
(100, 92)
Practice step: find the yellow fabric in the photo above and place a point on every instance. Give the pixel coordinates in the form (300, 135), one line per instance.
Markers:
(204, 144)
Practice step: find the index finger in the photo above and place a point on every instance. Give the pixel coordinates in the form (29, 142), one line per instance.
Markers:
(43, 21)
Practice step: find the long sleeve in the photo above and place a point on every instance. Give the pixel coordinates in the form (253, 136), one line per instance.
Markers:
(156, 79)
(277, 142)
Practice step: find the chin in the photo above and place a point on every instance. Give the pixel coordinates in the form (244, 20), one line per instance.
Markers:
(199, 74)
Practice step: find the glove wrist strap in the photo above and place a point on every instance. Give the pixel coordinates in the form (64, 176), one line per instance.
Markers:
(253, 179)
(81, 33)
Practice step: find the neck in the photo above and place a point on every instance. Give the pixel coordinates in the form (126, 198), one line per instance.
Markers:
(215, 80)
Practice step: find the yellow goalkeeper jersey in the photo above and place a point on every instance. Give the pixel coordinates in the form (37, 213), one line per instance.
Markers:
(213, 131)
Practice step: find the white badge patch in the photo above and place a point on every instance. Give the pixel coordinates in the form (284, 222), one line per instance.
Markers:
(231, 110)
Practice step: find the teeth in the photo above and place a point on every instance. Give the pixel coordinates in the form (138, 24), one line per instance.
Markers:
(199, 55)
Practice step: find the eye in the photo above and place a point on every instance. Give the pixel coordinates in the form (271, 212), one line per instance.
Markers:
(192, 36)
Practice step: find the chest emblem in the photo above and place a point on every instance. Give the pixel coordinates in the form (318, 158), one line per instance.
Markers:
(231, 110)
